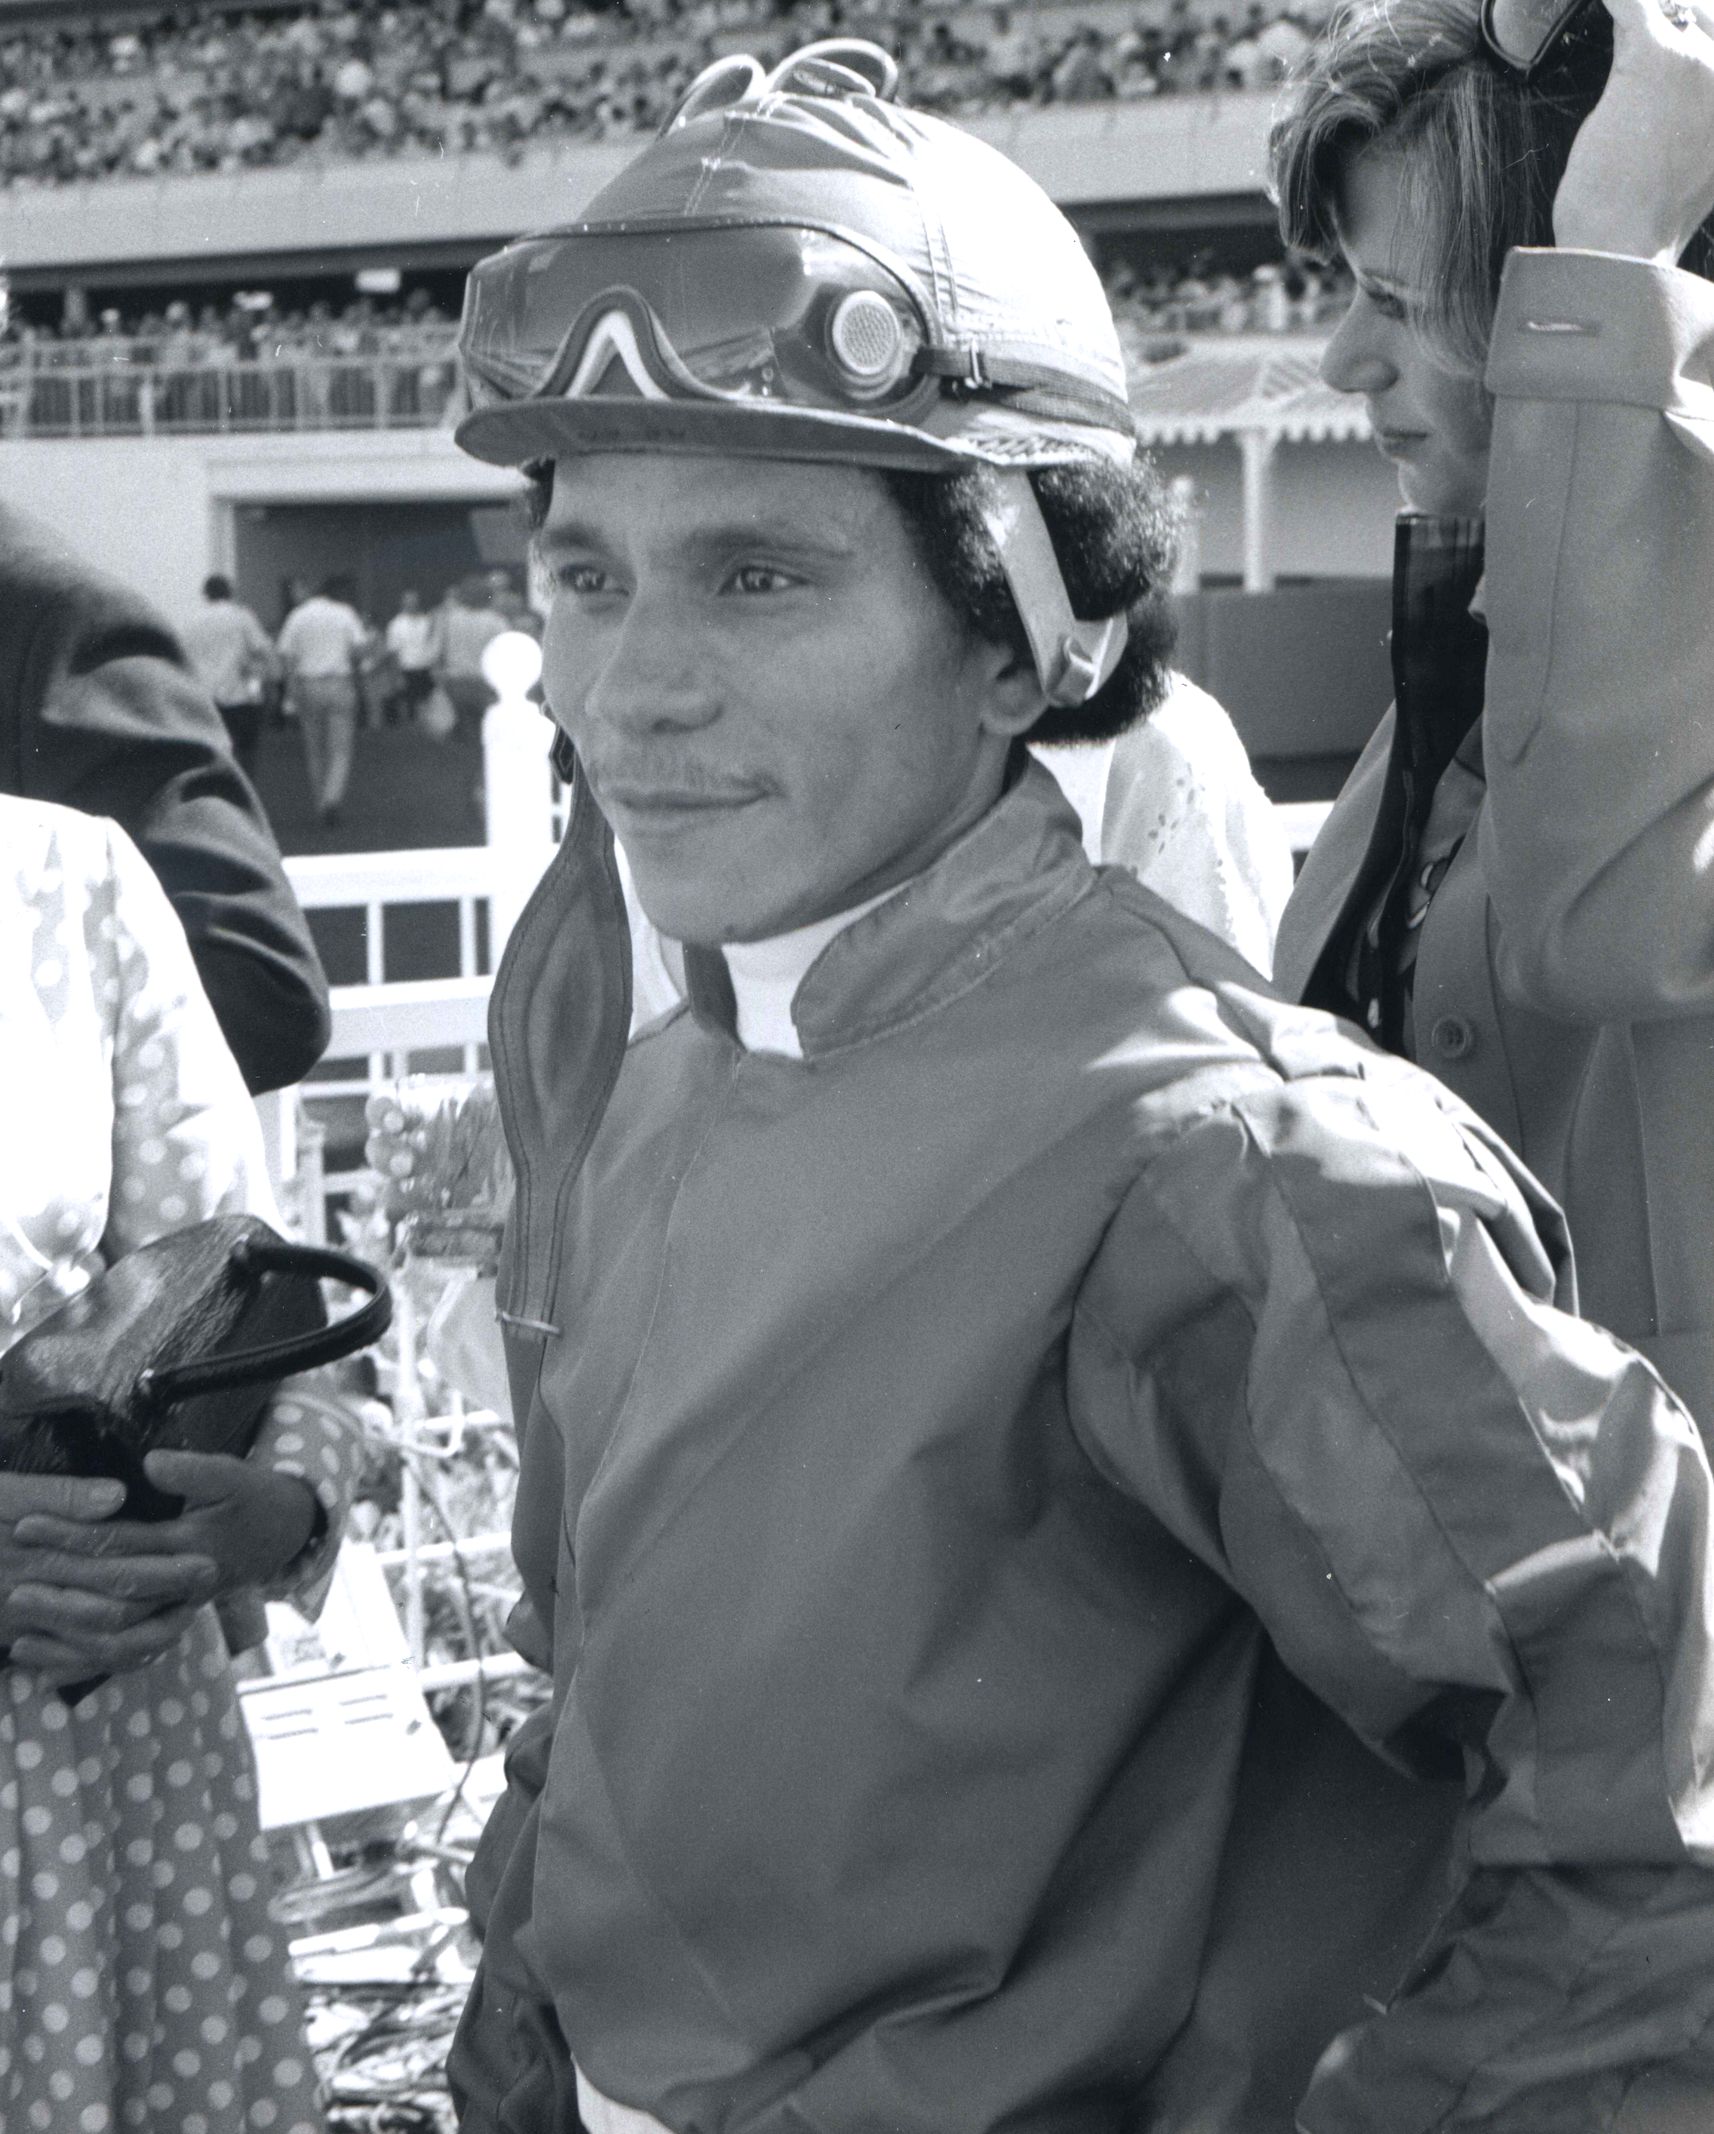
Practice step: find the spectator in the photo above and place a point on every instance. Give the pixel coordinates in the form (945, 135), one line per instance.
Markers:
(1080, 76)
(413, 641)
(98, 711)
(233, 659)
(342, 80)
(1513, 886)
(322, 647)
(469, 624)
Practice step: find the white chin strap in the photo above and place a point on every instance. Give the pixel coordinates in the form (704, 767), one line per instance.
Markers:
(1072, 658)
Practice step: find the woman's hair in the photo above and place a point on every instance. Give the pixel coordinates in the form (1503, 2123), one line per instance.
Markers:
(1115, 532)
(1482, 150)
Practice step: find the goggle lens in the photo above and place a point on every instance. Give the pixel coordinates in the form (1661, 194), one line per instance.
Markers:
(773, 313)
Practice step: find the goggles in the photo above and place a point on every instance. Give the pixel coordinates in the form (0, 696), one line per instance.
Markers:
(1524, 34)
(774, 315)
(756, 312)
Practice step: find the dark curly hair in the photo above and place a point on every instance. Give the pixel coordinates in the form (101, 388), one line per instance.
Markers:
(1115, 532)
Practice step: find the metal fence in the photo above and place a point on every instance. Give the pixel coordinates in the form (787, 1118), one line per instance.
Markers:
(52, 393)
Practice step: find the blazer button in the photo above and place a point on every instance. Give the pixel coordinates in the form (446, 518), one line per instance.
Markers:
(1452, 1037)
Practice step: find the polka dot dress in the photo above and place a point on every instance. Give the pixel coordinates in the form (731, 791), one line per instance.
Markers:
(142, 1981)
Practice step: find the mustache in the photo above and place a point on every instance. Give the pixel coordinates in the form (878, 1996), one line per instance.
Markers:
(653, 778)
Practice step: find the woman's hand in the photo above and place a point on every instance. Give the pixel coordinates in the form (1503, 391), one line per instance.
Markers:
(1640, 178)
(93, 1608)
(97, 1595)
(241, 1524)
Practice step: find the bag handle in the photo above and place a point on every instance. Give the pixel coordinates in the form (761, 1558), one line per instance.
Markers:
(299, 1352)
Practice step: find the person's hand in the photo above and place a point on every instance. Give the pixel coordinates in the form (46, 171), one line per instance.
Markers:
(1640, 177)
(249, 1521)
(90, 1609)
(104, 1595)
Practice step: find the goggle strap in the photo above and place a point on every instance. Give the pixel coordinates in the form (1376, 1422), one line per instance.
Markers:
(977, 373)
(1072, 659)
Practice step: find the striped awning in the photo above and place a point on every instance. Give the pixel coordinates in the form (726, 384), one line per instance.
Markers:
(1223, 387)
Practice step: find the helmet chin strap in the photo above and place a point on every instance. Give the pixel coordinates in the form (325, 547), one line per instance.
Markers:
(1072, 659)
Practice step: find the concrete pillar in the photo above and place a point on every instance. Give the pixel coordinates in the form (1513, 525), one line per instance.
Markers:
(1187, 503)
(1258, 448)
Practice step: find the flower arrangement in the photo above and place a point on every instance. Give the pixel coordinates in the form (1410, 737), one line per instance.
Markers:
(446, 1173)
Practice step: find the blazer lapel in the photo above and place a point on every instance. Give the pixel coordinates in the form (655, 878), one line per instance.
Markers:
(1336, 861)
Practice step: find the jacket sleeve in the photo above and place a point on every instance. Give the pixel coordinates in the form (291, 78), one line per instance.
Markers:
(111, 722)
(1471, 1524)
(1598, 733)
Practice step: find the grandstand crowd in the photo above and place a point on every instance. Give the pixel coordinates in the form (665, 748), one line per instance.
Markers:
(251, 327)
(1160, 301)
(343, 79)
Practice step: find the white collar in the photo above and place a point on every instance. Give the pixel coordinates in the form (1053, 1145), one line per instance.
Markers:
(766, 975)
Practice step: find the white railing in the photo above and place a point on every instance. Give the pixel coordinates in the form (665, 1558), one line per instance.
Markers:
(381, 1019)
(383, 1026)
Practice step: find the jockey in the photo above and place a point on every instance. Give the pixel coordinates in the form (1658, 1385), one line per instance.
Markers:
(1090, 1576)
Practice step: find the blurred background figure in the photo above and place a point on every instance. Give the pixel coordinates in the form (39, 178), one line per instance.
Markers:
(233, 658)
(413, 644)
(322, 647)
(469, 624)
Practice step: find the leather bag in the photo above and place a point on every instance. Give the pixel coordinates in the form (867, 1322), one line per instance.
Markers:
(177, 1347)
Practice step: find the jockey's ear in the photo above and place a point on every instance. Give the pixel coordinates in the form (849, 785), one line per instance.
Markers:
(1013, 699)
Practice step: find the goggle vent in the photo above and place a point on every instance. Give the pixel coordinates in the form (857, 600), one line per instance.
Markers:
(868, 341)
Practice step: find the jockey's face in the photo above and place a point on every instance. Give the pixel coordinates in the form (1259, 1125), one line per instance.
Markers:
(778, 712)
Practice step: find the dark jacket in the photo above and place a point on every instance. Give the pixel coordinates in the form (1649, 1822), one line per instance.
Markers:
(99, 712)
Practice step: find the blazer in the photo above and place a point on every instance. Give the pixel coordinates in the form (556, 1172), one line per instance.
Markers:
(1565, 969)
(99, 712)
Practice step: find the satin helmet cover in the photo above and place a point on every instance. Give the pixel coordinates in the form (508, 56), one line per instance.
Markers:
(799, 267)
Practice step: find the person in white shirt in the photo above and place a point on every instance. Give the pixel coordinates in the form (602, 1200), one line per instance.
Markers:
(1175, 801)
(470, 622)
(233, 657)
(321, 644)
(414, 642)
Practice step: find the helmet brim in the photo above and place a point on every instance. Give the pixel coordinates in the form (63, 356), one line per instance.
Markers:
(515, 432)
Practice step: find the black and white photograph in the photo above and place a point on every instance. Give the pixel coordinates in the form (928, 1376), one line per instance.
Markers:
(857, 1212)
